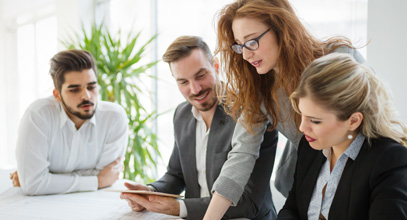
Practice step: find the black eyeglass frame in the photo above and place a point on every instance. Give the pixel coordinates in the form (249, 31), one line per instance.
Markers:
(238, 48)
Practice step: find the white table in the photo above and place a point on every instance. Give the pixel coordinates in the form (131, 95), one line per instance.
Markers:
(85, 205)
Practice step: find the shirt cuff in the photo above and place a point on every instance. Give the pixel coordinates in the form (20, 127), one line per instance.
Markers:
(183, 213)
(228, 189)
(88, 183)
(152, 188)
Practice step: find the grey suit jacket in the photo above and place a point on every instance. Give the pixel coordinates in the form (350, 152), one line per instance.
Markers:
(256, 201)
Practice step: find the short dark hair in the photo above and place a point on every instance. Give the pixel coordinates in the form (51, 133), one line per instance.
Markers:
(183, 46)
(70, 60)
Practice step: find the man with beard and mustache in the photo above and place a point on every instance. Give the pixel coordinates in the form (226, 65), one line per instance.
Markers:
(203, 133)
(70, 141)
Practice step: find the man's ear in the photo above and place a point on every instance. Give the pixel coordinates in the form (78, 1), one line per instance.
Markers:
(216, 65)
(355, 120)
(57, 95)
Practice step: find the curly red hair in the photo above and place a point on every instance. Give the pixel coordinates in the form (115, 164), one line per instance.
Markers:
(245, 88)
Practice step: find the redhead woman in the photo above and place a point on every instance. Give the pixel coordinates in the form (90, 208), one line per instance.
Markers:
(352, 160)
(264, 48)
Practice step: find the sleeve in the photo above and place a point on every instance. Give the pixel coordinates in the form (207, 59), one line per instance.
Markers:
(241, 159)
(182, 209)
(256, 196)
(87, 172)
(33, 165)
(173, 179)
(115, 142)
(389, 185)
(290, 209)
(114, 147)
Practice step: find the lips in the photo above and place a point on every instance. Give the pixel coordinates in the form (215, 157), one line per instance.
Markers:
(310, 139)
(202, 96)
(86, 106)
(256, 63)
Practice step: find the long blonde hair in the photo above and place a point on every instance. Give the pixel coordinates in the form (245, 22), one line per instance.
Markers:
(340, 84)
(245, 88)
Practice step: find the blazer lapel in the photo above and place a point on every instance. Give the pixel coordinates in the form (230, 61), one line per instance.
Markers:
(306, 189)
(188, 152)
(346, 185)
(340, 202)
(217, 126)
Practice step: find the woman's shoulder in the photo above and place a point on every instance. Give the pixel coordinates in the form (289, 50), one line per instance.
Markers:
(389, 153)
(348, 49)
(387, 144)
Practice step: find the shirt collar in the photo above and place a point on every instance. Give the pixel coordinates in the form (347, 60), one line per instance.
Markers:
(197, 115)
(352, 151)
(64, 117)
(354, 148)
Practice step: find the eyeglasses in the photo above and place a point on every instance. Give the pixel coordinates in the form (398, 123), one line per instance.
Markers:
(252, 44)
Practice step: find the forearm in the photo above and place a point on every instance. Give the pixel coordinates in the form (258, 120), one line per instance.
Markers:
(87, 172)
(116, 144)
(217, 207)
(173, 179)
(241, 159)
(246, 208)
(57, 183)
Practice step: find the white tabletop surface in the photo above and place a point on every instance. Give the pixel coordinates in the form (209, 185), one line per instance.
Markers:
(84, 205)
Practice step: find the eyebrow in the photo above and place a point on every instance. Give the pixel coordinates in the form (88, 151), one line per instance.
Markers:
(311, 117)
(198, 72)
(77, 85)
(247, 37)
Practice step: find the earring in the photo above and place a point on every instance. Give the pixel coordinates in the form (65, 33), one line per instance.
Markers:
(350, 137)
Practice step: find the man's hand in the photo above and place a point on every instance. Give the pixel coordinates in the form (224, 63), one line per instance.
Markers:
(110, 173)
(134, 186)
(159, 204)
(14, 178)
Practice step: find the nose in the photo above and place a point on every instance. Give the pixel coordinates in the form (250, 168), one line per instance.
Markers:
(303, 126)
(246, 53)
(85, 94)
(195, 88)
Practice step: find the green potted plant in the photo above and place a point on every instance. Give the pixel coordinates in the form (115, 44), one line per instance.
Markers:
(119, 73)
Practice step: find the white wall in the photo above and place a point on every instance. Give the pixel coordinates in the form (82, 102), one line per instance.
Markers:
(387, 51)
(8, 90)
(69, 15)
(3, 84)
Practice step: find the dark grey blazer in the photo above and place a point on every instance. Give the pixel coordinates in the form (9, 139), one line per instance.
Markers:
(256, 201)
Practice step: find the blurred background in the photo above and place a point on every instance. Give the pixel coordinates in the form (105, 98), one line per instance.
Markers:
(31, 32)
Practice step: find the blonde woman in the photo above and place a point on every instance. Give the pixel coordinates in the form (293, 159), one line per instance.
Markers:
(352, 159)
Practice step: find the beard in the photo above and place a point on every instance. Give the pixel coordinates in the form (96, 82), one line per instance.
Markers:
(208, 105)
(85, 116)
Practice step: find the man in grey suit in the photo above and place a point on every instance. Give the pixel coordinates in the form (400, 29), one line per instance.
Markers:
(203, 134)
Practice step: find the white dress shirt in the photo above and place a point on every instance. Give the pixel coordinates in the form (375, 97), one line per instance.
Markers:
(319, 205)
(201, 143)
(54, 157)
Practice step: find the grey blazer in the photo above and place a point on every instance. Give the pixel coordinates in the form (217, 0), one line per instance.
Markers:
(256, 201)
